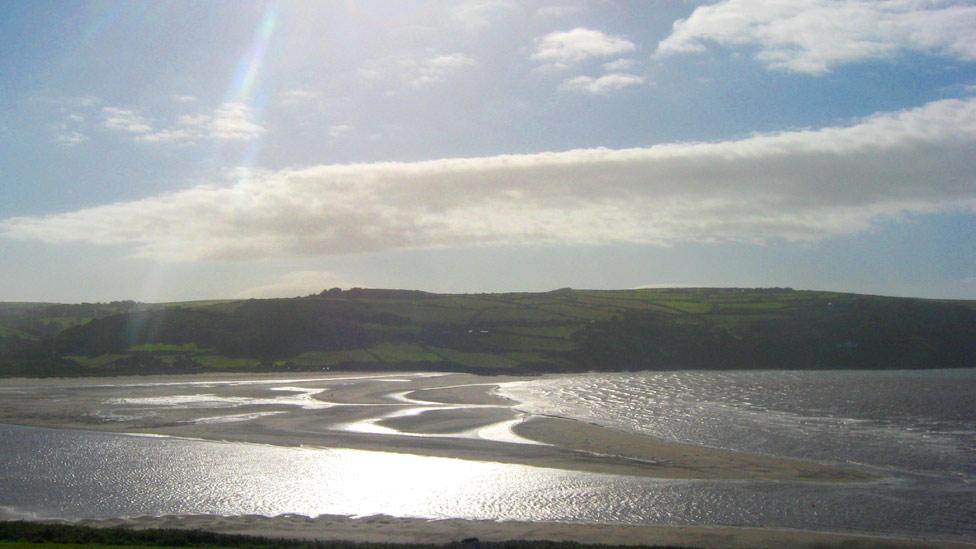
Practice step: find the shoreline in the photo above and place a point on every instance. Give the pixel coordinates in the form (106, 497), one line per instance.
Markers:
(443, 415)
(440, 415)
(387, 529)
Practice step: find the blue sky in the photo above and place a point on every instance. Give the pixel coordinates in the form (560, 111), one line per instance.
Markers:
(185, 150)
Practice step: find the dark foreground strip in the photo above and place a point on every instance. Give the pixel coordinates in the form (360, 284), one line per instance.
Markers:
(33, 532)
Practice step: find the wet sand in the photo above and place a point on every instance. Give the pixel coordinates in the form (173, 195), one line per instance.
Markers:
(453, 415)
(385, 529)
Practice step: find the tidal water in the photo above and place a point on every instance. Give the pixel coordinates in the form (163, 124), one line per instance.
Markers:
(917, 430)
(905, 422)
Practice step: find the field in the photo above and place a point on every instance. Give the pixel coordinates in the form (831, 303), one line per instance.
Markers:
(562, 330)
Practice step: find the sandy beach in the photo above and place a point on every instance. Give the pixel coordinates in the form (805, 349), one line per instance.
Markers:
(452, 415)
(445, 415)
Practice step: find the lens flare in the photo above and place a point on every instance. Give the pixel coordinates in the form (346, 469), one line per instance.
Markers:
(249, 67)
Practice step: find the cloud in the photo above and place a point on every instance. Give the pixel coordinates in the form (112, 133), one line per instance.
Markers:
(795, 185)
(579, 44)
(297, 96)
(231, 121)
(170, 135)
(557, 11)
(125, 120)
(619, 65)
(298, 283)
(480, 13)
(814, 36)
(603, 85)
(339, 130)
(435, 70)
(71, 138)
(415, 71)
(184, 98)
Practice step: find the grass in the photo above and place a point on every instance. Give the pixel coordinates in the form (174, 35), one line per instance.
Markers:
(474, 360)
(403, 352)
(514, 342)
(63, 323)
(99, 361)
(23, 535)
(55, 545)
(6, 331)
(166, 348)
(561, 331)
(692, 307)
(225, 362)
(332, 358)
(750, 306)
(488, 332)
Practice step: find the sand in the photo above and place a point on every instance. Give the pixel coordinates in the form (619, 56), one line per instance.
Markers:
(431, 415)
(383, 529)
(452, 415)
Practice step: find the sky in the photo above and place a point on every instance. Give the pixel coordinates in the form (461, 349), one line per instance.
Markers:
(179, 150)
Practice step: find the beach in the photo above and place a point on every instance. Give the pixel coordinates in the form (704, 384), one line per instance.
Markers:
(456, 416)
(453, 415)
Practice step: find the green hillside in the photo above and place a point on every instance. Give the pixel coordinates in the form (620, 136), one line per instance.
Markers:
(562, 330)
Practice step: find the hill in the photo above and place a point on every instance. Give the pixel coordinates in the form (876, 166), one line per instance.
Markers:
(559, 331)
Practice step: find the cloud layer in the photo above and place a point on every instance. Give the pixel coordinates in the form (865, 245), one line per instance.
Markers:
(797, 185)
(230, 121)
(579, 44)
(604, 84)
(813, 36)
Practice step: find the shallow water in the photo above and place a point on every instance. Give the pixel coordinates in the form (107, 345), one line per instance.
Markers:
(903, 422)
(80, 474)
(916, 428)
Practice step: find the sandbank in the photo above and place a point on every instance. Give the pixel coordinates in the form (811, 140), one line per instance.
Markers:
(443, 415)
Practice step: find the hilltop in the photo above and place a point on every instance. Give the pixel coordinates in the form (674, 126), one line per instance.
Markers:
(559, 331)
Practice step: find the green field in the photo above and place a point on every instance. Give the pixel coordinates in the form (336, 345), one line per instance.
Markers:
(562, 330)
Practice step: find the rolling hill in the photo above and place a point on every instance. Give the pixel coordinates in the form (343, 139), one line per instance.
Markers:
(560, 331)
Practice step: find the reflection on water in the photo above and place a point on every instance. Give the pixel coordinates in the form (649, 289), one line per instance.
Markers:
(906, 422)
(79, 474)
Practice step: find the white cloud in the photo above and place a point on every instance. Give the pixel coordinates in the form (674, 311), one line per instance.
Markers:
(71, 138)
(603, 85)
(619, 65)
(234, 121)
(184, 98)
(794, 185)
(557, 11)
(339, 130)
(170, 135)
(437, 69)
(814, 36)
(125, 120)
(198, 120)
(297, 96)
(579, 44)
(298, 283)
(231, 121)
(415, 71)
(481, 13)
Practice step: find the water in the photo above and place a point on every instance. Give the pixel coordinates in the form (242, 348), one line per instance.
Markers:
(900, 422)
(915, 428)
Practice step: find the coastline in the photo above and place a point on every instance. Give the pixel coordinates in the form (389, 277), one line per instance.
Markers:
(386, 529)
(444, 415)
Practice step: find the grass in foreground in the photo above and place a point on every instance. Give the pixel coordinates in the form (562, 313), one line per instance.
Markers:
(23, 535)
